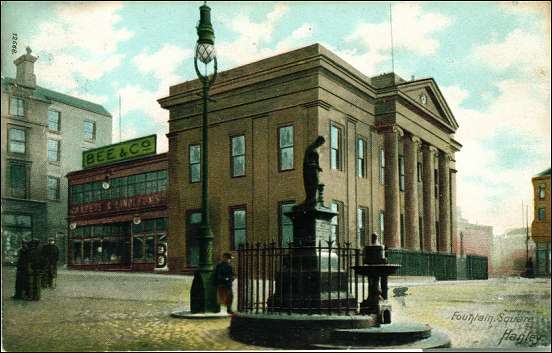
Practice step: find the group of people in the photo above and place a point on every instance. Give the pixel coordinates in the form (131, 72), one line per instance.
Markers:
(36, 269)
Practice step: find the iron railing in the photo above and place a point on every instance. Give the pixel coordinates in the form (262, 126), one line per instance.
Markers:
(477, 267)
(299, 279)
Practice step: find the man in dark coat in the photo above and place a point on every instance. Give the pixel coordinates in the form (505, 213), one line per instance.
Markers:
(22, 273)
(224, 276)
(35, 271)
(50, 255)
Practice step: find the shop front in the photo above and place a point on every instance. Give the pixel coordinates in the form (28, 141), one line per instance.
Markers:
(118, 216)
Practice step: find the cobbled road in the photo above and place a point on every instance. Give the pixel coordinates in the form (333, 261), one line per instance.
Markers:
(109, 311)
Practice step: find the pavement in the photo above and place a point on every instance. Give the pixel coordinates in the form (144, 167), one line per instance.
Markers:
(107, 311)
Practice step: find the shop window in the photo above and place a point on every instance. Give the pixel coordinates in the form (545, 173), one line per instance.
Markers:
(15, 229)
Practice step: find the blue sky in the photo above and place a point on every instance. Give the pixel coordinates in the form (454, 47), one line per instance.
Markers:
(491, 61)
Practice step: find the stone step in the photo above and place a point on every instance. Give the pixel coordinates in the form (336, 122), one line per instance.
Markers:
(394, 333)
(437, 339)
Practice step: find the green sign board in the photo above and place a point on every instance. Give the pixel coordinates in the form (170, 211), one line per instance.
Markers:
(131, 149)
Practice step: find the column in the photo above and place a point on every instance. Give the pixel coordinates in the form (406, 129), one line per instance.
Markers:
(429, 199)
(411, 221)
(453, 214)
(444, 202)
(392, 220)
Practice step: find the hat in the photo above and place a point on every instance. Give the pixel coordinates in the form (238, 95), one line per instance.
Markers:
(227, 255)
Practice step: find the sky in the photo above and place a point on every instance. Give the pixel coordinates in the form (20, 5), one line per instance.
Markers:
(491, 60)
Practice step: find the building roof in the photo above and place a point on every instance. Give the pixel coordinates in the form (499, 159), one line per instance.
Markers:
(544, 173)
(44, 93)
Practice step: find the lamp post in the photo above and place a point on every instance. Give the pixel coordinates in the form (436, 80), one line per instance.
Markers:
(203, 293)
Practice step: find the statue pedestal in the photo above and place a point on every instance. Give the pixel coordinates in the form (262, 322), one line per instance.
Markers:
(312, 278)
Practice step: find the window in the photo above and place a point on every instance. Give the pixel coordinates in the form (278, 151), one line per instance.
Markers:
(237, 162)
(195, 163)
(238, 227)
(285, 144)
(89, 130)
(401, 172)
(54, 120)
(420, 172)
(18, 180)
(286, 225)
(542, 214)
(15, 228)
(335, 147)
(53, 150)
(542, 192)
(382, 167)
(17, 140)
(53, 188)
(17, 106)
(361, 158)
(337, 221)
(382, 225)
(145, 237)
(361, 226)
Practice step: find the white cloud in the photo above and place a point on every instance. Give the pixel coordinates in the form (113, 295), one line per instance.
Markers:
(488, 192)
(163, 64)
(528, 52)
(78, 44)
(254, 39)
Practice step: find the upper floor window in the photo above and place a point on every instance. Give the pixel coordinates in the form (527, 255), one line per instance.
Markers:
(382, 167)
(18, 180)
(195, 163)
(53, 188)
(542, 192)
(285, 147)
(286, 225)
(361, 158)
(17, 140)
(54, 120)
(335, 147)
(238, 226)
(238, 155)
(53, 150)
(89, 130)
(401, 172)
(17, 106)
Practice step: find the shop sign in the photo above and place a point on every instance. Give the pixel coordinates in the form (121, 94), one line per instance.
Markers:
(131, 149)
(129, 203)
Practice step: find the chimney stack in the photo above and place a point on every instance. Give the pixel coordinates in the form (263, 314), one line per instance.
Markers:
(25, 70)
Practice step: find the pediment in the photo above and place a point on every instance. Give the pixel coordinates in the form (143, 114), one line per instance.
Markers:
(426, 95)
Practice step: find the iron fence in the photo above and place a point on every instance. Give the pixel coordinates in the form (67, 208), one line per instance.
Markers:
(299, 279)
(477, 267)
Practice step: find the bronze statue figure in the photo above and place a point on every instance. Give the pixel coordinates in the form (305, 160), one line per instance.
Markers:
(311, 168)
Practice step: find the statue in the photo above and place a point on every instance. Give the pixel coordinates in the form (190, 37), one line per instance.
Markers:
(311, 168)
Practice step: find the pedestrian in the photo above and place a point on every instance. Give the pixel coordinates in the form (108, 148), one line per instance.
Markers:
(35, 270)
(22, 272)
(224, 276)
(50, 256)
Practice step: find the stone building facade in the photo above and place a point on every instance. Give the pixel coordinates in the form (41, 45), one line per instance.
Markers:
(388, 162)
(540, 228)
(44, 133)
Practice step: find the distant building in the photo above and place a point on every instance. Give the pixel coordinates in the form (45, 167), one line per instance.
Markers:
(44, 133)
(510, 252)
(475, 239)
(540, 228)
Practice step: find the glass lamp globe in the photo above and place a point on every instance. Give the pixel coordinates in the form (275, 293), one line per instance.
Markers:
(205, 52)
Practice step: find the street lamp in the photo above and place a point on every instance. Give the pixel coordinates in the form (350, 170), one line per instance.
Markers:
(203, 298)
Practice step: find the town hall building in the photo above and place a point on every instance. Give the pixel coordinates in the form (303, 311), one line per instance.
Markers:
(388, 163)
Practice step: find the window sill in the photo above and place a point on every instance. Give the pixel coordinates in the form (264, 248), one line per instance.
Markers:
(56, 163)
(286, 170)
(56, 132)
